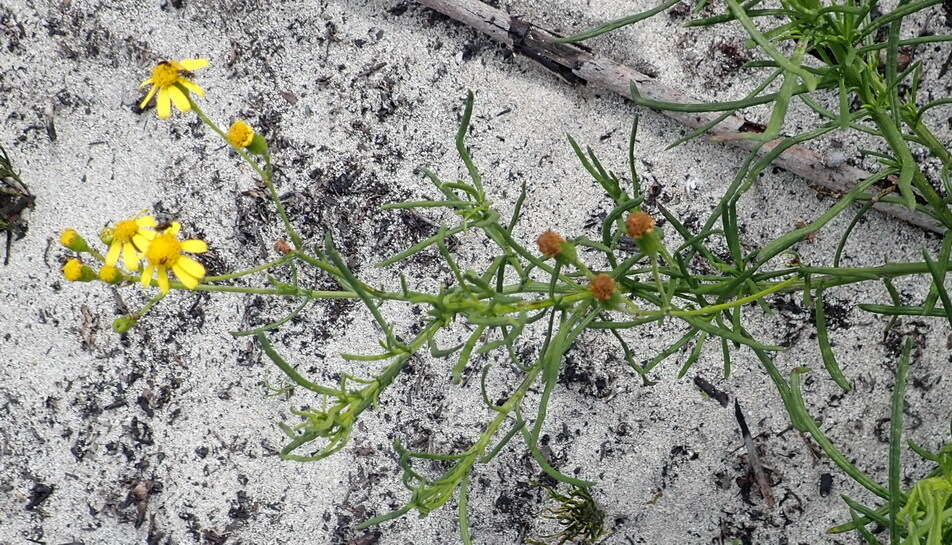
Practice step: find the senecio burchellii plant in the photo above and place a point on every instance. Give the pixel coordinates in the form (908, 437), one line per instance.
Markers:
(633, 273)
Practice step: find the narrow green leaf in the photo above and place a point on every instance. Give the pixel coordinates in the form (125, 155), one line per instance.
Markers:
(785, 241)
(666, 353)
(896, 499)
(826, 350)
(358, 288)
(463, 515)
(461, 144)
(849, 230)
(889, 310)
(694, 356)
(632, 168)
(809, 80)
(616, 24)
(877, 516)
(275, 324)
(938, 281)
(801, 417)
(944, 264)
(290, 371)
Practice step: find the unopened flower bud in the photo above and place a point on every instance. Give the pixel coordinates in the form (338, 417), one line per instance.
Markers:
(110, 275)
(75, 271)
(106, 234)
(240, 134)
(71, 239)
(603, 287)
(124, 324)
(258, 145)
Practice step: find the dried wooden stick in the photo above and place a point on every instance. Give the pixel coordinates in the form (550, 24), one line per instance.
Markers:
(753, 459)
(577, 64)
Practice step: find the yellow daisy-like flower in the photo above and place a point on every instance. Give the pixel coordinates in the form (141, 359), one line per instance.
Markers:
(165, 252)
(240, 134)
(168, 80)
(130, 238)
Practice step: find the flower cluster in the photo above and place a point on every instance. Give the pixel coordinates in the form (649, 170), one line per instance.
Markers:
(138, 249)
(137, 241)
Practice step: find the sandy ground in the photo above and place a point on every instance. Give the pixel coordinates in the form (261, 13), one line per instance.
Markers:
(355, 96)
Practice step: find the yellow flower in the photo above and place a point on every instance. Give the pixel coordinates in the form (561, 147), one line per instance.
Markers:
(167, 79)
(73, 270)
(165, 252)
(130, 237)
(109, 274)
(240, 134)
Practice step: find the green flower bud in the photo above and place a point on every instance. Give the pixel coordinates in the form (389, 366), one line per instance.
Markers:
(71, 239)
(124, 324)
(258, 145)
(75, 271)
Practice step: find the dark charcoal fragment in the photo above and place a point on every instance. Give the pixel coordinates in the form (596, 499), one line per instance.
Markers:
(240, 507)
(709, 389)
(141, 432)
(826, 484)
(38, 495)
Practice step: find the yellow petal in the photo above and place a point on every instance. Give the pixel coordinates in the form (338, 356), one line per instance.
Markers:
(174, 228)
(191, 86)
(130, 259)
(148, 97)
(146, 82)
(146, 277)
(194, 246)
(190, 281)
(113, 256)
(163, 275)
(191, 267)
(179, 98)
(163, 104)
(146, 221)
(141, 242)
(193, 64)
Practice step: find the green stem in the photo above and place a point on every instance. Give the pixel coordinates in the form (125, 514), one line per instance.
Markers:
(276, 263)
(264, 174)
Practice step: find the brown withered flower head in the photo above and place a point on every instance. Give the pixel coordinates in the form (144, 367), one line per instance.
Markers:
(603, 286)
(550, 243)
(639, 224)
(282, 246)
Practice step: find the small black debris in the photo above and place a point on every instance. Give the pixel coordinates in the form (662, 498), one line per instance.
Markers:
(826, 484)
(38, 495)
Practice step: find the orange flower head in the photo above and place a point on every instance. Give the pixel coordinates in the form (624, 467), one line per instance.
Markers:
(550, 243)
(639, 224)
(603, 287)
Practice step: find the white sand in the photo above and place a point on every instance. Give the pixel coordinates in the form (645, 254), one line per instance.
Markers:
(70, 389)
